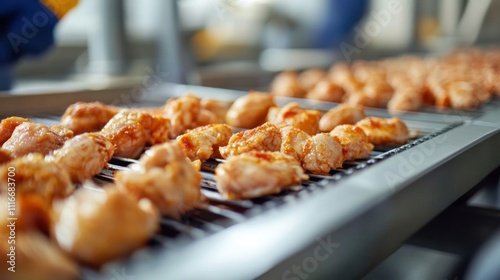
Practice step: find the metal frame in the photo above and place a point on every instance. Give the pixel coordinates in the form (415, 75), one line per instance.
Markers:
(365, 217)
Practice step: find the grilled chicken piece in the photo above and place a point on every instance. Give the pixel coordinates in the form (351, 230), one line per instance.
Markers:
(217, 107)
(35, 175)
(406, 99)
(292, 141)
(353, 140)
(165, 176)
(249, 110)
(4, 156)
(266, 137)
(326, 90)
(131, 130)
(8, 125)
(185, 113)
(293, 114)
(36, 258)
(31, 137)
(342, 114)
(310, 78)
(95, 227)
(381, 131)
(87, 117)
(255, 174)
(321, 153)
(33, 210)
(201, 142)
(83, 156)
(287, 84)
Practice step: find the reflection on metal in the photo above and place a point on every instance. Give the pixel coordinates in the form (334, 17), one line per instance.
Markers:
(170, 49)
(106, 40)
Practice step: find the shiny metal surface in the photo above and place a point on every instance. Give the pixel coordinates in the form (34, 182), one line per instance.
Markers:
(340, 229)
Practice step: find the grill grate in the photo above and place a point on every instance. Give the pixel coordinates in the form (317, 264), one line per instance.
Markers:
(221, 213)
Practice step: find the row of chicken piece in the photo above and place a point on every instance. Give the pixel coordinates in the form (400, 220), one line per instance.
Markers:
(48, 160)
(90, 226)
(462, 80)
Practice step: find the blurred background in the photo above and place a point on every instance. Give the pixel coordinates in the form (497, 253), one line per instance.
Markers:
(242, 44)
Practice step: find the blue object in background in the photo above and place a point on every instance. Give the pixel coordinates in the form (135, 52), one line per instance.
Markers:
(339, 20)
(26, 28)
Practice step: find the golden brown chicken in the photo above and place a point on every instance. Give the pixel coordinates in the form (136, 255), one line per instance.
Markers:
(310, 77)
(250, 110)
(292, 141)
(293, 114)
(87, 116)
(321, 153)
(31, 137)
(83, 156)
(353, 140)
(8, 125)
(4, 156)
(217, 107)
(94, 227)
(287, 84)
(32, 174)
(186, 112)
(326, 90)
(36, 257)
(255, 174)
(131, 131)
(382, 131)
(202, 142)
(266, 137)
(165, 176)
(342, 114)
(62, 131)
(341, 74)
(406, 99)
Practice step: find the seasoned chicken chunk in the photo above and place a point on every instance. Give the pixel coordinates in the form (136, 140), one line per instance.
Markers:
(321, 153)
(293, 114)
(217, 107)
(353, 140)
(292, 141)
(406, 99)
(8, 125)
(35, 175)
(255, 174)
(87, 116)
(287, 84)
(130, 131)
(4, 156)
(342, 114)
(310, 77)
(326, 90)
(83, 156)
(62, 131)
(36, 257)
(95, 227)
(202, 142)
(382, 131)
(31, 137)
(266, 137)
(249, 110)
(186, 112)
(165, 176)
